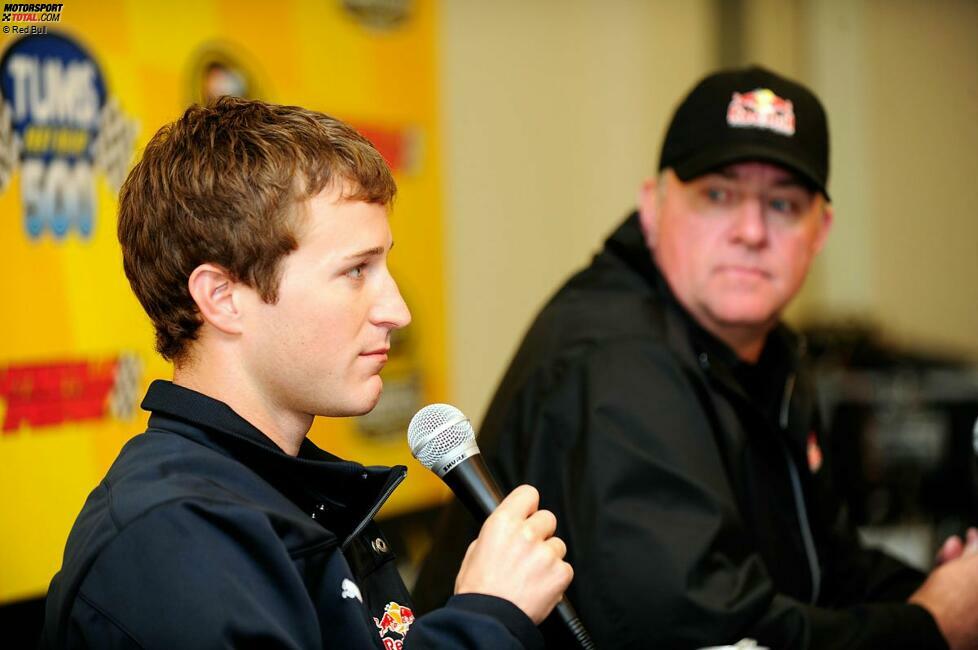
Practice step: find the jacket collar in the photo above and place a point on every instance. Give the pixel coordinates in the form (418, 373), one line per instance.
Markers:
(340, 494)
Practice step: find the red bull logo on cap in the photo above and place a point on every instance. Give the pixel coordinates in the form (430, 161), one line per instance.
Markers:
(396, 618)
(762, 109)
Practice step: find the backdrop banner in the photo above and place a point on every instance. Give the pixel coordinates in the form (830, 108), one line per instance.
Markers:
(84, 85)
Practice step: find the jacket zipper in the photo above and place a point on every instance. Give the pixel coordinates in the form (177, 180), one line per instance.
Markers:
(806, 531)
(376, 507)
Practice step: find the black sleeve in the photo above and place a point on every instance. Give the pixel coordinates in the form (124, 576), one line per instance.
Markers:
(476, 622)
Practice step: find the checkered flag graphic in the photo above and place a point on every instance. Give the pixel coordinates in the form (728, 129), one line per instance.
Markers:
(9, 146)
(114, 144)
(125, 389)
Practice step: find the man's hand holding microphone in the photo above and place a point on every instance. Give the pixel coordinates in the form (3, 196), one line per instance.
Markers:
(516, 555)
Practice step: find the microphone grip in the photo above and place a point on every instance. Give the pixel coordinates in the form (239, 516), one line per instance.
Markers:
(475, 487)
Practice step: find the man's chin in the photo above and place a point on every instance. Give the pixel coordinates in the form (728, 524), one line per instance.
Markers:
(371, 397)
(745, 330)
(746, 317)
(356, 405)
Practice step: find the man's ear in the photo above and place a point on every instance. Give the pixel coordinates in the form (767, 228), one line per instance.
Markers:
(648, 210)
(212, 288)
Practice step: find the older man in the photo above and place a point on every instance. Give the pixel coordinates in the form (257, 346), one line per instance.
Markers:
(664, 413)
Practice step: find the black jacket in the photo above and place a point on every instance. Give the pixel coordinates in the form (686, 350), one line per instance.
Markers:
(204, 534)
(687, 485)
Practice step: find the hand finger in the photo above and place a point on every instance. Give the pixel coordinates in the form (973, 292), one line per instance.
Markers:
(521, 502)
(950, 550)
(470, 550)
(557, 546)
(972, 544)
(568, 574)
(541, 525)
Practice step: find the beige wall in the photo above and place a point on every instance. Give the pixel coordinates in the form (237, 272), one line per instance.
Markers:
(900, 80)
(925, 156)
(553, 112)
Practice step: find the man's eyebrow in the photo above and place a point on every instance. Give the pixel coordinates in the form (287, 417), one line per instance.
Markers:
(368, 252)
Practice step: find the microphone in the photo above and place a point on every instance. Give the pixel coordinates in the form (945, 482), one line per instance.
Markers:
(441, 438)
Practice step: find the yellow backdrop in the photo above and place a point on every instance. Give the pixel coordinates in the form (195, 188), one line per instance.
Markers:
(75, 348)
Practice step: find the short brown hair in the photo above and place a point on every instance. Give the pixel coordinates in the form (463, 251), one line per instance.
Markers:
(222, 185)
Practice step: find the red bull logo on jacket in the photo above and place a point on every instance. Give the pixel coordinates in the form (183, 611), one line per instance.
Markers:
(814, 453)
(762, 109)
(396, 618)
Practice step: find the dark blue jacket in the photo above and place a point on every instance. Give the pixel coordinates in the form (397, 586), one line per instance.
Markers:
(204, 534)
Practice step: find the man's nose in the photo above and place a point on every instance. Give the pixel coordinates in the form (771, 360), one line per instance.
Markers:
(749, 226)
(391, 311)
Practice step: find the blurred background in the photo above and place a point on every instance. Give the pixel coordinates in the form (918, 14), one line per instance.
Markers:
(519, 133)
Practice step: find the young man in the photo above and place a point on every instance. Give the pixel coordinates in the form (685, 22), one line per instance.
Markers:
(256, 238)
(668, 420)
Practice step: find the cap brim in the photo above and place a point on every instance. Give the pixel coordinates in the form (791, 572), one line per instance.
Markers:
(711, 159)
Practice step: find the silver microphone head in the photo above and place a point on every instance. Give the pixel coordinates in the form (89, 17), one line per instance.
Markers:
(440, 437)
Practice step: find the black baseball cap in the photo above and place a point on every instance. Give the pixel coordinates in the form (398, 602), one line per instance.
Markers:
(748, 114)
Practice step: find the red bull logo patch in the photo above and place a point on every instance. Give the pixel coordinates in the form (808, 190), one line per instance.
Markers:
(762, 109)
(396, 618)
(814, 453)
